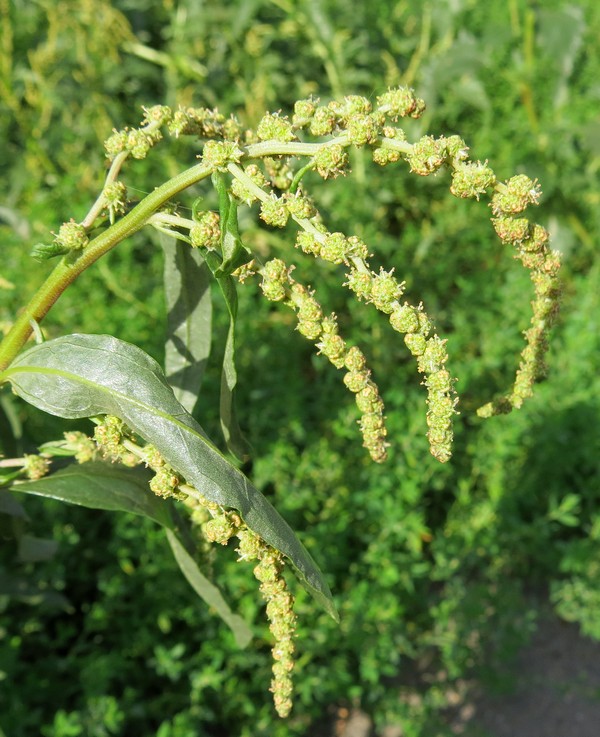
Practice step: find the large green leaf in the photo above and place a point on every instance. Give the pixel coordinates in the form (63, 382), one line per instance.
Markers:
(189, 312)
(100, 485)
(84, 375)
(108, 486)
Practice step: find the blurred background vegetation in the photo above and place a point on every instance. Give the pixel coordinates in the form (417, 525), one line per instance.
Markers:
(439, 572)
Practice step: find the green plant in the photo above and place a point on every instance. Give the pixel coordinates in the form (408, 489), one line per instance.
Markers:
(143, 416)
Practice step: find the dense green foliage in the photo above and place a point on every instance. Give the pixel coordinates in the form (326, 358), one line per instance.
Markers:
(430, 565)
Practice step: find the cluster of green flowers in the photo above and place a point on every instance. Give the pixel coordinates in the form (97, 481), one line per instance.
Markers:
(279, 286)
(280, 612)
(113, 440)
(530, 242)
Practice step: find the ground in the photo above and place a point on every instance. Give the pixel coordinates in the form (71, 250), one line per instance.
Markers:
(554, 692)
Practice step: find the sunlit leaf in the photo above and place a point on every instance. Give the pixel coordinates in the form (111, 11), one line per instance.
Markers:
(79, 376)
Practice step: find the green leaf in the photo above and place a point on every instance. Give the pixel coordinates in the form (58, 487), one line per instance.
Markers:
(230, 428)
(101, 485)
(85, 375)
(208, 591)
(189, 314)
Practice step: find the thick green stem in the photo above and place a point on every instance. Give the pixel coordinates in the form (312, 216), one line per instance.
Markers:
(66, 272)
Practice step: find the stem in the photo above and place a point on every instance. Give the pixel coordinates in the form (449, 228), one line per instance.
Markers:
(66, 272)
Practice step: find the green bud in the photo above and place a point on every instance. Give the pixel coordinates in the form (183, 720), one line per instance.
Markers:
(399, 103)
(334, 248)
(428, 155)
(515, 195)
(511, 230)
(362, 129)
(72, 236)
(332, 346)
(220, 529)
(275, 127)
(405, 319)
(274, 211)
(36, 466)
(356, 380)
(323, 122)
(308, 243)
(304, 111)
(415, 343)
(361, 283)
(355, 359)
(385, 291)
(472, 180)
(331, 161)
(206, 233)
(217, 155)
(299, 206)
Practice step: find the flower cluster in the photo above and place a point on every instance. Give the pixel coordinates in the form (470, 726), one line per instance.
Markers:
(204, 123)
(530, 242)
(135, 141)
(384, 292)
(71, 236)
(278, 285)
(280, 613)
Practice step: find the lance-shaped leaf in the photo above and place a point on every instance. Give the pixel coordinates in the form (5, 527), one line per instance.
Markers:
(189, 312)
(107, 486)
(84, 375)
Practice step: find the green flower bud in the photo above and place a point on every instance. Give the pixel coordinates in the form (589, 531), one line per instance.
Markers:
(457, 149)
(361, 283)
(434, 356)
(217, 155)
(355, 359)
(275, 127)
(308, 243)
(165, 483)
(72, 236)
(299, 206)
(384, 156)
(385, 291)
(138, 142)
(356, 380)
(537, 241)
(220, 529)
(331, 161)
(303, 112)
(355, 248)
(333, 347)
(515, 195)
(352, 106)
(399, 103)
(274, 211)
(511, 230)
(116, 143)
(157, 114)
(241, 192)
(115, 197)
(472, 180)
(428, 155)
(415, 343)
(206, 233)
(250, 545)
(36, 466)
(334, 248)
(405, 319)
(323, 122)
(362, 129)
